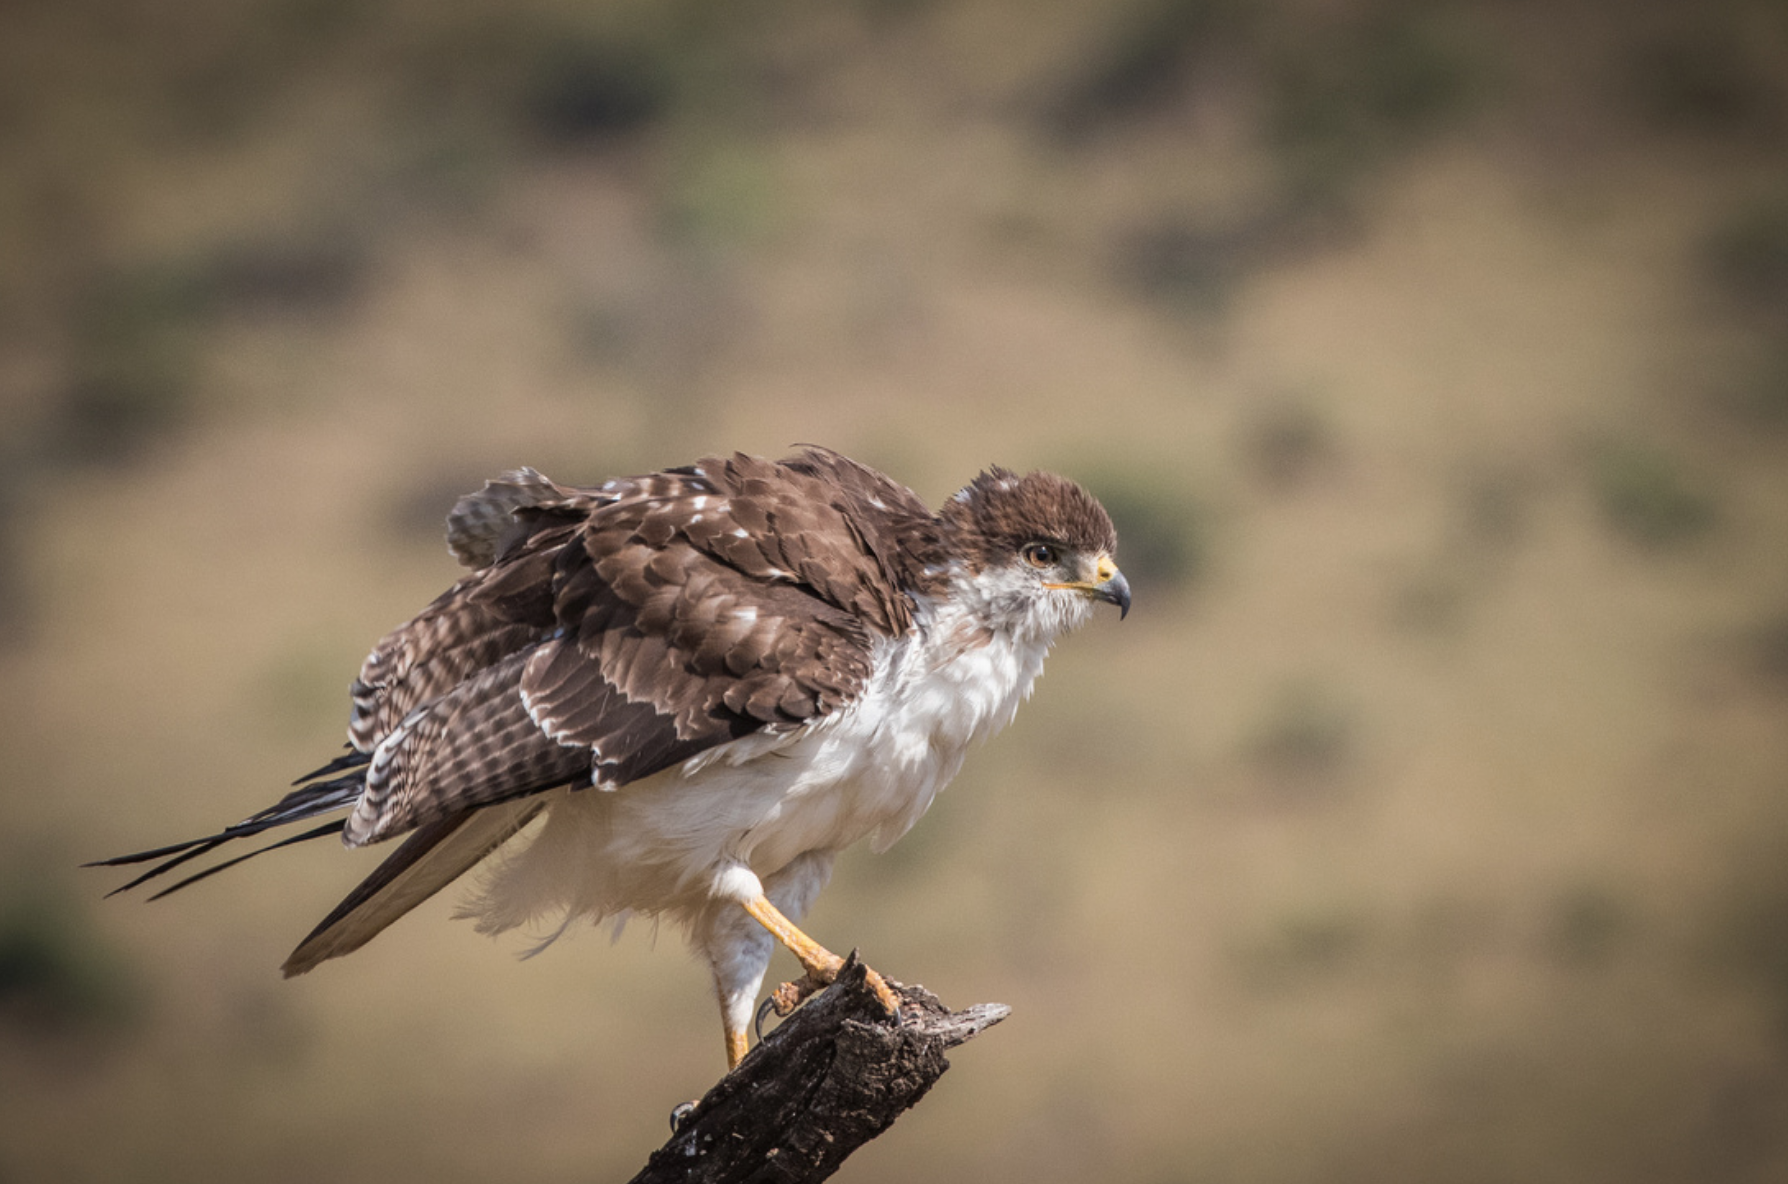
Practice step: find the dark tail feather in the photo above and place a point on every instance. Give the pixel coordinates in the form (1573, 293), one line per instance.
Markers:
(328, 828)
(155, 853)
(310, 799)
(433, 856)
(353, 758)
(192, 850)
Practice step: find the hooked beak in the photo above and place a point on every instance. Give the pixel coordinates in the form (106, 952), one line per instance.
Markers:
(1108, 584)
(1112, 587)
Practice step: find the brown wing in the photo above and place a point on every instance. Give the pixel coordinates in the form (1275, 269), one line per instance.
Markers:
(605, 634)
(620, 630)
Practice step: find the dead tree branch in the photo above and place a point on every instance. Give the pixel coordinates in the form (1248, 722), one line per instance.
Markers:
(832, 1077)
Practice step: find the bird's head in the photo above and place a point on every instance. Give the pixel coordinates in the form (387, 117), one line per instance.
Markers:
(1038, 548)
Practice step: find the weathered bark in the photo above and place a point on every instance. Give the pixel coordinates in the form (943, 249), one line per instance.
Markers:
(830, 1078)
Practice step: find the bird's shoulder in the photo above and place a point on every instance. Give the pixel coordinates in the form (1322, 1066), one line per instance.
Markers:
(649, 618)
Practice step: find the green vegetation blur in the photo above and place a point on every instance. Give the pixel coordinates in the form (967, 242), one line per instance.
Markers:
(1426, 821)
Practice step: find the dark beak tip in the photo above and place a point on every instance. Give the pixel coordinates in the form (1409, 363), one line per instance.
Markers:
(1116, 590)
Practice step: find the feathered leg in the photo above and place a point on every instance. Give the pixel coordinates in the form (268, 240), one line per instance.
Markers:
(738, 953)
(739, 944)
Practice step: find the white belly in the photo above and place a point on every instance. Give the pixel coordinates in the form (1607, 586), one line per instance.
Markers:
(658, 845)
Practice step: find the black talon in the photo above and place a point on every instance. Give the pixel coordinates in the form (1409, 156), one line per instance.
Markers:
(757, 1023)
(680, 1114)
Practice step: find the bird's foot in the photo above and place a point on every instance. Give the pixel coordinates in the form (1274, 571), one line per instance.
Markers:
(790, 995)
(884, 993)
(784, 999)
(822, 965)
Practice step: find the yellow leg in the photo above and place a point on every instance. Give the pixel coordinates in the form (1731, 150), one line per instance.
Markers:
(735, 1047)
(821, 964)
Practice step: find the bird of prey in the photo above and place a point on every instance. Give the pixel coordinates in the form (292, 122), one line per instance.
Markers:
(693, 688)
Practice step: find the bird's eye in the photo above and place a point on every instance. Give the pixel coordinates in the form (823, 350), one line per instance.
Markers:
(1039, 554)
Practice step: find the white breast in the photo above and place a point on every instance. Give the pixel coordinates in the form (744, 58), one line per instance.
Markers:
(874, 768)
(870, 771)
(873, 771)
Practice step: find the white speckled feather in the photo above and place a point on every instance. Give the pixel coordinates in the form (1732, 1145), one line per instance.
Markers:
(666, 844)
(692, 687)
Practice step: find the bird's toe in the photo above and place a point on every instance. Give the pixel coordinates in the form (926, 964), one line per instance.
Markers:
(790, 995)
(884, 994)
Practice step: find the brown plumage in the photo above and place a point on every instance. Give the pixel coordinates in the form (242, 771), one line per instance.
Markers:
(705, 680)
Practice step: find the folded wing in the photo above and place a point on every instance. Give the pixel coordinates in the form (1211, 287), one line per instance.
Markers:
(603, 635)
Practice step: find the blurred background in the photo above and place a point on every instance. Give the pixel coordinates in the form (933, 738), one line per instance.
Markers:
(1427, 822)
